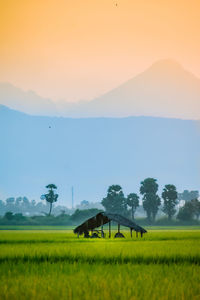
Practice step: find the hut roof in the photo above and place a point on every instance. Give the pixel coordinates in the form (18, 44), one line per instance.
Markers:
(103, 218)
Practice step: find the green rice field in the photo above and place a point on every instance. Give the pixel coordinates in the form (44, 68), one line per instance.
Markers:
(55, 264)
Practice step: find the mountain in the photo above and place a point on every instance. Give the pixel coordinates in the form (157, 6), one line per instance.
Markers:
(165, 89)
(26, 101)
(93, 153)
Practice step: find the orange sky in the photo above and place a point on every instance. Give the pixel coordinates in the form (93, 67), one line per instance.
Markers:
(78, 49)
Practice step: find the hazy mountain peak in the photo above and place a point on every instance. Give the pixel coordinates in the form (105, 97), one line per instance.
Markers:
(165, 89)
(25, 101)
(168, 68)
(166, 64)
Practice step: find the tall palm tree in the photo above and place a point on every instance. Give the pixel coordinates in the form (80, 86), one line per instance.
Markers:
(50, 197)
(133, 202)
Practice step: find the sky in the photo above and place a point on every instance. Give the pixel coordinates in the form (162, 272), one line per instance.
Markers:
(78, 50)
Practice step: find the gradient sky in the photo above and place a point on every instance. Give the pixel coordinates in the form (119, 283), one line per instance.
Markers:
(75, 49)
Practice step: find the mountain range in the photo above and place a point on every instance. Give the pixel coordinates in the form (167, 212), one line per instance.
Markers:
(93, 153)
(165, 89)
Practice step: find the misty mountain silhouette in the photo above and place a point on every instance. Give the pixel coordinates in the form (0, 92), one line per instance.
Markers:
(93, 153)
(165, 89)
(25, 101)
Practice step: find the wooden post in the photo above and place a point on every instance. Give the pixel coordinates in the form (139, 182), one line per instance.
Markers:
(102, 235)
(136, 234)
(131, 231)
(78, 235)
(118, 228)
(109, 229)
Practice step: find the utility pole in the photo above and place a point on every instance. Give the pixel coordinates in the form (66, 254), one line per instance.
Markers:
(72, 197)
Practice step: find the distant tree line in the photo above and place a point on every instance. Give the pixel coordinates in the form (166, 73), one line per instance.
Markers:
(77, 217)
(28, 207)
(17, 210)
(116, 202)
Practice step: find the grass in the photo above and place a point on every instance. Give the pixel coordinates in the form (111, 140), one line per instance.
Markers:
(39, 264)
(35, 227)
(61, 227)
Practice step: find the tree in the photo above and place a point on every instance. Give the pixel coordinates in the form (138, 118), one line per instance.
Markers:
(9, 215)
(186, 212)
(133, 202)
(25, 204)
(151, 201)
(115, 201)
(169, 196)
(19, 217)
(196, 207)
(84, 204)
(190, 210)
(18, 201)
(10, 201)
(51, 197)
(2, 205)
(10, 204)
(33, 203)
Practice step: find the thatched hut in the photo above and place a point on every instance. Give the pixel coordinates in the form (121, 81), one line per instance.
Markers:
(103, 218)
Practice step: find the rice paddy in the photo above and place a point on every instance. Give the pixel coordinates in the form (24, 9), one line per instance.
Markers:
(40, 264)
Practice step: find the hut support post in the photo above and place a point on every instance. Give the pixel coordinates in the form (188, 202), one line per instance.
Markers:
(131, 232)
(102, 234)
(118, 228)
(109, 229)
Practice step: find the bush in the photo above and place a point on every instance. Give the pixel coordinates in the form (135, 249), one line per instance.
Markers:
(9, 215)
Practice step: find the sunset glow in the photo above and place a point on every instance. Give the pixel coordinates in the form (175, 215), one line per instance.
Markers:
(80, 49)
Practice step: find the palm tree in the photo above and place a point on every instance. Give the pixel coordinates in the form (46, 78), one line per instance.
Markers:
(50, 197)
(133, 202)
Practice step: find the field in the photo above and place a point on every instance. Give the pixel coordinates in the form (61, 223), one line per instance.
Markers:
(55, 264)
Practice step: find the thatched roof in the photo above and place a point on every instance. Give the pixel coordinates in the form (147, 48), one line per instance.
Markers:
(103, 218)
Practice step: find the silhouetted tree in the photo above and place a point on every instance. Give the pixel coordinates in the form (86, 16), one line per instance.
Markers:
(25, 204)
(51, 197)
(169, 196)
(9, 215)
(33, 203)
(186, 212)
(151, 201)
(18, 202)
(10, 203)
(19, 217)
(196, 207)
(2, 205)
(133, 202)
(115, 201)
